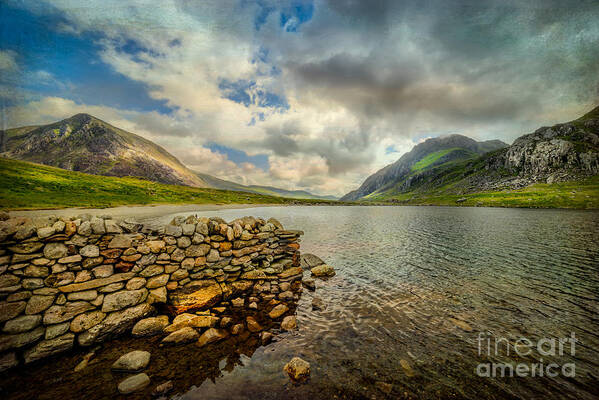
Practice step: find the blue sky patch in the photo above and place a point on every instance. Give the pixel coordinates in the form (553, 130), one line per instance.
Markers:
(246, 92)
(238, 156)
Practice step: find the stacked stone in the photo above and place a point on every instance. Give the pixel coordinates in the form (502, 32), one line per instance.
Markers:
(78, 281)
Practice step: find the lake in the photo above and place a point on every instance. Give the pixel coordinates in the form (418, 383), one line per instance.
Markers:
(422, 298)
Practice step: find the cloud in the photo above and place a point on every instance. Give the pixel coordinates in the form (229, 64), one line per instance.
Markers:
(8, 61)
(324, 88)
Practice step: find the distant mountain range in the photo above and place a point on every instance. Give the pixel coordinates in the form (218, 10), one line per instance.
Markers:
(456, 164)
(87, 144)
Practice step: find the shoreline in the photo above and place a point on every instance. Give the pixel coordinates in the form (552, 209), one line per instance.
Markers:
(135, 211)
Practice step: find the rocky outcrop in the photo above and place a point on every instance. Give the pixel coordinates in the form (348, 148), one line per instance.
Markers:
(77, 281)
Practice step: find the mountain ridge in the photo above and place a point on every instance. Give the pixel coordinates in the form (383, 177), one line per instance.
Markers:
(563, 152)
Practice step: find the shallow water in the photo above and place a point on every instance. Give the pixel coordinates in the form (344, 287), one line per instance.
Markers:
(415, 287)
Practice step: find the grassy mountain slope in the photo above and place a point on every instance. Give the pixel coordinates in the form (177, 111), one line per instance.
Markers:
(87, 144)
(27, 185)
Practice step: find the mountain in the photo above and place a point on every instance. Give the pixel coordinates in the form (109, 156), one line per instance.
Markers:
(266, 190)
(86, 144)
(561, 153)
(444, 150)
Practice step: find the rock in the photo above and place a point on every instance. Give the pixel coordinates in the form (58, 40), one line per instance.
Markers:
(197, 250)
(309, 261)
(85, 321)
(26, 248)
(384, 387)
(318, 304)
(58, 314)
(115, 323)
(84, 362)
(8, 361)
(184, 335)
(87, 295)
(309, 283)
(255, 274)
(50, 347)
(323, 270)
(289, 323)
(97, 283)
(90, 251)
(204, 321)
(163, 389)
(461, 324)
(157, 281)
(103, 271)
(120, 242)
(122, 299)
(11, 310)
(157, 296)
(136, 283)
(45, 232)
(238, 302)
(134, 383)
(22, 324)
(237, 329)
(55, 250)
(278, 310)
(211, 335)
(198, 295)
(297, 369)
(22, 339)
(213, 256)
(150, 326)
(85, 229)
(407, 368)
(97, 225)
(53, 331)
(266, 337)
(173, 230)
(134, 361)
(112, 226)
(252, 324)
(70, 259)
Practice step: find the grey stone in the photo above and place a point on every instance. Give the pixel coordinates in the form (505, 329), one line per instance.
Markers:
(85, 229)
(133, 361)
(47, 348)
(45, 232)
(38, 304)
(112, 226)
(289, 323)
(103, 271)
(90, 251)
(120, 242)
(157, 281)
(126, 298)
(53, 331)
(98, 226)
(134, 383)
(57, 314)
(32, 283)
(113, 287)
(172, 230)
(35, 271)
(23, 323)
(136, 283)
(17, 341)
(55, 250)
(115, 323)
(183, 242)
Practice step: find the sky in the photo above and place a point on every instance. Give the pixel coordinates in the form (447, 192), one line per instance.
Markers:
(313, 94)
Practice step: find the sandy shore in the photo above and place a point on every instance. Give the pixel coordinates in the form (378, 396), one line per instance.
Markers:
(138, 212)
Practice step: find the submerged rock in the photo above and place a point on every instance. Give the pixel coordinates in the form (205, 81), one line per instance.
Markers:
(163, 389)
(289, 323)
(184, 335)
(318, 304)
(297, 369)
(133, 361)
(134, 383)
(212, 335)
(323, 270)
(150, 326)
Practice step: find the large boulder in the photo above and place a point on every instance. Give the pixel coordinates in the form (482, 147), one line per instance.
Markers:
(198, 295)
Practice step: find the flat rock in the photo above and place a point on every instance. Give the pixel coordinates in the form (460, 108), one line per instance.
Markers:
(123, 299)
(47, 348)
(198, 295)
(134, 383)
(57, 314)
(184, 335)
(23, 323)
(323, 270)
(133, 361)
(150, 326)
(212, 335)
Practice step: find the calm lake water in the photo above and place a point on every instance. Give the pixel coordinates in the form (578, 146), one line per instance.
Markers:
(416, 287)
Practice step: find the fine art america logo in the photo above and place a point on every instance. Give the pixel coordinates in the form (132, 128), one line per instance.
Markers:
(552, 348)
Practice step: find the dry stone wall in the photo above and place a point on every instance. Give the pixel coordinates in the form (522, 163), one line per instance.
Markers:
(73, 282)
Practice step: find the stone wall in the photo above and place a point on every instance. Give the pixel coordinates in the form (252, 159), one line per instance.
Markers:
(67, 283)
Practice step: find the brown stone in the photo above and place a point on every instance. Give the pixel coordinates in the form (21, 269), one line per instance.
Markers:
(197, 295)
(123, 266)
(111, 253)
(96, 283)
(212, 335)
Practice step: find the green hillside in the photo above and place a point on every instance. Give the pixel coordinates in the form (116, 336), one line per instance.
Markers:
(26, 185)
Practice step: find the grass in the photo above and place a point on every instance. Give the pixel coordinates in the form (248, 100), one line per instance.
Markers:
(25, 185)
(578, 195)
(431, 158)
